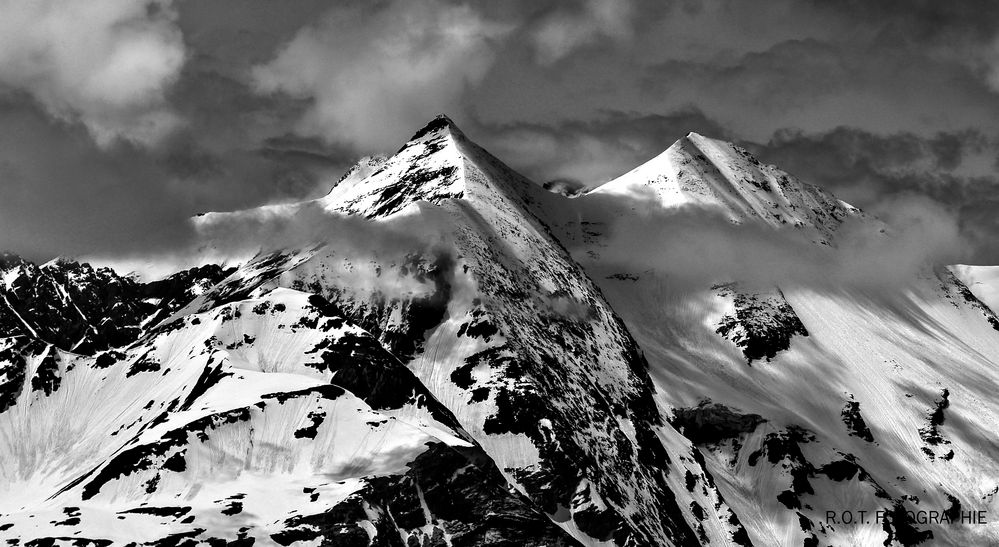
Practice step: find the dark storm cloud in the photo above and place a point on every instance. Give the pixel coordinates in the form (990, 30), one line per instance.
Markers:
(924, 19)
(182, 107)
(847, 156)
(236, 148)
(791, 74)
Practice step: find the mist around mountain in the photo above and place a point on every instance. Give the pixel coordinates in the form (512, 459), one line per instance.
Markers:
(703, 351)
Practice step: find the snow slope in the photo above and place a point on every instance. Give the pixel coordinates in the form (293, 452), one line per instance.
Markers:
(807, 399)
(718, 175)
(268, 419)
(983, 281)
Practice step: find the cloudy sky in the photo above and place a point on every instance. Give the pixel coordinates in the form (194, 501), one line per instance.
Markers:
(121, 118)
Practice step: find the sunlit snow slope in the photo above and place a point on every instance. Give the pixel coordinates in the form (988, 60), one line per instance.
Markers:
(811, 401)
(266, 417)
(719, 176)
(983, 281)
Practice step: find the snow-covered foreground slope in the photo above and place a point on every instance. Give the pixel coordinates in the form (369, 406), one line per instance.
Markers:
(268, 418)
(440, 352)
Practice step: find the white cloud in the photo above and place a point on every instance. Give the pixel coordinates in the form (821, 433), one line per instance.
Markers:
(375, 73)
(692, 245)
(103, 63)
(563, 32)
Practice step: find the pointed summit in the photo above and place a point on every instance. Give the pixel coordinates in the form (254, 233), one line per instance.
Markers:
(428, 168)
(714, 174)
(440, 123)
(437, 164)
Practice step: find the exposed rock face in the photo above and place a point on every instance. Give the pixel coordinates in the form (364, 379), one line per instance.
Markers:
(855, 422)
(762, 324)
(930, 433)
(709, 423)
(70, 305)
(78, 308)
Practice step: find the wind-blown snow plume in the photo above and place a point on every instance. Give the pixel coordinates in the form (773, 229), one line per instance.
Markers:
(361, 246)
(308, 225)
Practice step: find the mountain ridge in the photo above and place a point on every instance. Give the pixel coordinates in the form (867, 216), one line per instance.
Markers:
(703, 172)
(323, 391)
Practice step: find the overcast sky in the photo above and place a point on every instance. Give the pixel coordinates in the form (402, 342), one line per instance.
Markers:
(121, 118)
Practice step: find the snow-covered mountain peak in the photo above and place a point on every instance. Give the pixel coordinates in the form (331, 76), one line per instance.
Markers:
(427, 168)
(715, 174)
(437, 164)
(440, 124)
